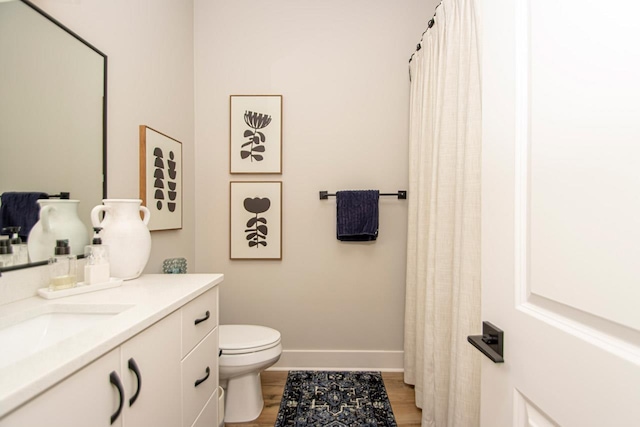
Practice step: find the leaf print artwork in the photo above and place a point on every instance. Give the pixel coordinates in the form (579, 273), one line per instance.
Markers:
(255, 135)
(257, 226)
(255, 219)
(256, 139)
(161, 178)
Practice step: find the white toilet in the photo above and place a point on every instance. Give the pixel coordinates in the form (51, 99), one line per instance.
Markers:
(246, 350)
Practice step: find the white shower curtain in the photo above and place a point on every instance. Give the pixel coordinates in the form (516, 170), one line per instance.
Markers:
(443, 250)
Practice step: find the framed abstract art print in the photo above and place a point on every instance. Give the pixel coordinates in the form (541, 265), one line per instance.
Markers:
(161, 179)
(255, 134)
(255, 225)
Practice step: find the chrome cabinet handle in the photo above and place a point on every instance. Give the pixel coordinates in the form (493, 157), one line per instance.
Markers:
(133, 366)
(115, 380)
(203, 379)
(202, 319)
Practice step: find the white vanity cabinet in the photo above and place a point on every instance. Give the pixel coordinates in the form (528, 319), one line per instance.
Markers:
(200, 361)
(107, 391)
(84, 399)
(165, 376)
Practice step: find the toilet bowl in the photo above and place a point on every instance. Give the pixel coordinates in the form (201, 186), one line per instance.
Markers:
(246, 350)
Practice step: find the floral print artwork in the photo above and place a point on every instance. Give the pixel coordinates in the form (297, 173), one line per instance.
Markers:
(257, 226)
(255, 133)
(255, 220)
(256, 139)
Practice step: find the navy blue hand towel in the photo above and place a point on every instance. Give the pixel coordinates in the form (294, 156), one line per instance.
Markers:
(20, 210)
(357, 215)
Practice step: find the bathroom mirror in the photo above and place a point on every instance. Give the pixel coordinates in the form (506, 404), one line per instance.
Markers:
(52, 108)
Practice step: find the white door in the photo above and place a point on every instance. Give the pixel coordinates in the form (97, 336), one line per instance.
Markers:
(561, 212)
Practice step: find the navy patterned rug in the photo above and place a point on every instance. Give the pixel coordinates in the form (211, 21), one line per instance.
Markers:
(335, 399)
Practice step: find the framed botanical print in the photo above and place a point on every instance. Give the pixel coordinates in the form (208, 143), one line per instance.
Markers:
(255, 134)
(161, 178)
(255, 225)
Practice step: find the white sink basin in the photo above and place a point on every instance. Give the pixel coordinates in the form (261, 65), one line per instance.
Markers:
(30, 332)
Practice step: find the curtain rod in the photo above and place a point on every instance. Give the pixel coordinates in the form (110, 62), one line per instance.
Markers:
(402, 194)
(429, 25)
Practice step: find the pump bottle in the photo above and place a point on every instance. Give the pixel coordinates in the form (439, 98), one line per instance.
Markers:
(62, 267)
(20, 251)
(96, 255)
(6, 253)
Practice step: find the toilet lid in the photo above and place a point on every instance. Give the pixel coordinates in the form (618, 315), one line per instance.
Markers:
(239, 339)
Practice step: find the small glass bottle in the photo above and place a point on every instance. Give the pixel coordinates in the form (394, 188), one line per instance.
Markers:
(20, 251)
(6, 253)
(62, 267)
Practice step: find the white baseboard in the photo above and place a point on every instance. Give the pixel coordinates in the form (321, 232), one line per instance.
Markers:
(340, 360)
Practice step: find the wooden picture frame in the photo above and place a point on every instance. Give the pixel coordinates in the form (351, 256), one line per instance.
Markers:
(161, 178)
(255, 134)
(255, 220)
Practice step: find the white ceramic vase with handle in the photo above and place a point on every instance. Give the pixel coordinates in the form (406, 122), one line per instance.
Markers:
(58, 220)
(126, 235)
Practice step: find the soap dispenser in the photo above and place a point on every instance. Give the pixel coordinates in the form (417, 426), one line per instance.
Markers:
(20, 251)
(62, 267)
(6, 253)
(96, 255)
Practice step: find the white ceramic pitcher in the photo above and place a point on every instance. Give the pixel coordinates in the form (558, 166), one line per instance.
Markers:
(126, 235)
(58, 220)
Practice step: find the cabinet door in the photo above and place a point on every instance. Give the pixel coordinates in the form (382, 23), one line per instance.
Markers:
(87, 398)
(152, 386)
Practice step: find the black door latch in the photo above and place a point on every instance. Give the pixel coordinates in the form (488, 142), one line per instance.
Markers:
(490, 343)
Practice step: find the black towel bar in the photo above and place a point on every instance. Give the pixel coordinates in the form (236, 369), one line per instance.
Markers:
(63, 195)
(402, 194)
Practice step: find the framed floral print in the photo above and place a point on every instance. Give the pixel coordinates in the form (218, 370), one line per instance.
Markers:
(255, 225)
(255, 134)
(161, 179)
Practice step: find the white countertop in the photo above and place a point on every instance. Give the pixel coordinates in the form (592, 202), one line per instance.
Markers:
(152, 296)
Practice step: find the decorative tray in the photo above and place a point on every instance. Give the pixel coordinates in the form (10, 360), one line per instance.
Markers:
(80, 288)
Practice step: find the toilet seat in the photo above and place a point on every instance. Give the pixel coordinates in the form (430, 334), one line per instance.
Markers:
(243, 339)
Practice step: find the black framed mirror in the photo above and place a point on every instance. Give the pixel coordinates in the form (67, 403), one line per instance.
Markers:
(53, 109)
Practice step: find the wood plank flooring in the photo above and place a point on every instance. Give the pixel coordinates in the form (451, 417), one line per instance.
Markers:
(400, 394)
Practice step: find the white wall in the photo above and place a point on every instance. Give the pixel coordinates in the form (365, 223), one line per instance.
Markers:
(149, 45)
(342, 68)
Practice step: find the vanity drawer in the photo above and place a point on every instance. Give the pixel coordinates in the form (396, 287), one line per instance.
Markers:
(209, 415)
(201, 365)
(199, 317)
